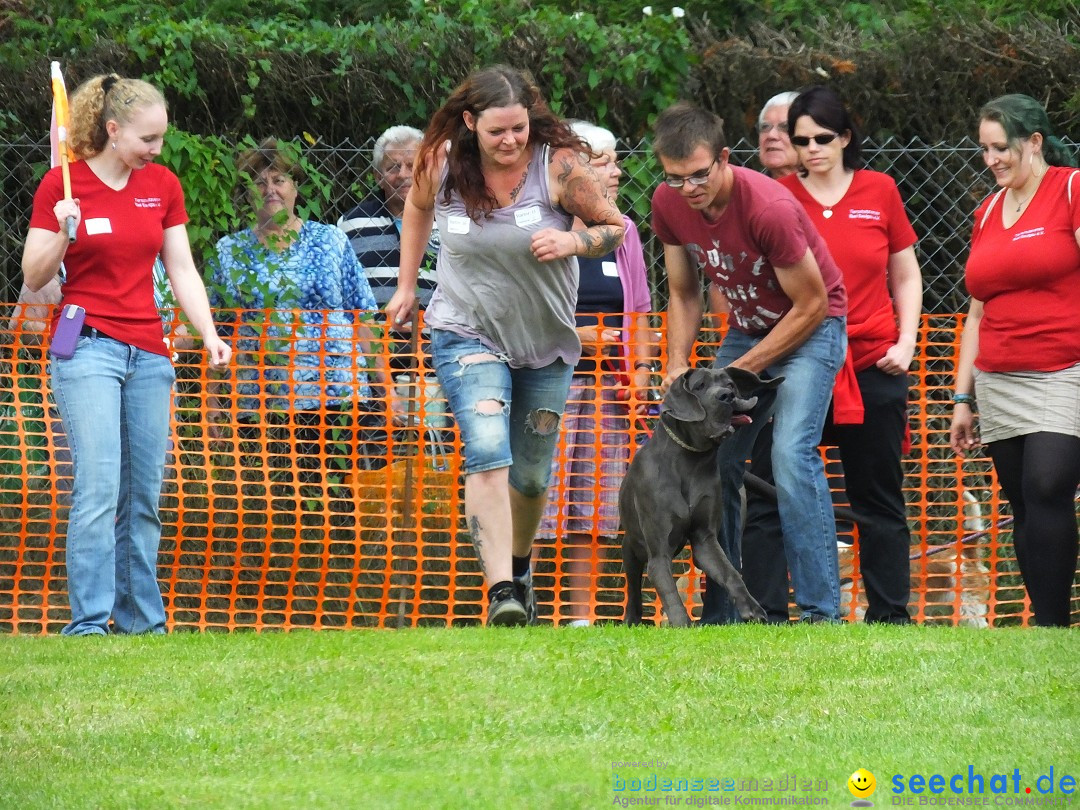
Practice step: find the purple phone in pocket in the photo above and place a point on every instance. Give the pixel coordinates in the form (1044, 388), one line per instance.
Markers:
(68, 329)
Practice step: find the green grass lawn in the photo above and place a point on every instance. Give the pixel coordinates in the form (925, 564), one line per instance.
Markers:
(526, 718)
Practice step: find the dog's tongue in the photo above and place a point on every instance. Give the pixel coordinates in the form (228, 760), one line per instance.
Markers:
(740, 419)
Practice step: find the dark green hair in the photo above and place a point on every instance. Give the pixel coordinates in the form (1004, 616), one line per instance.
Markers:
(1021, 117)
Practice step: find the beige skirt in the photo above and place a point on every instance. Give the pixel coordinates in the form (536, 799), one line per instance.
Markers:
(1016, 403)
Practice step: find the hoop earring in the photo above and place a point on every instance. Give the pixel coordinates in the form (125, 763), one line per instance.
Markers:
(1031, 165)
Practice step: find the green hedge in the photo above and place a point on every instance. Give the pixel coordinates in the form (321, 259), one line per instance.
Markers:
(337, 71)
(329, 72)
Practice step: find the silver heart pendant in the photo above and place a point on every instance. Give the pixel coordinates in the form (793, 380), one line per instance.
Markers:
(827, 213)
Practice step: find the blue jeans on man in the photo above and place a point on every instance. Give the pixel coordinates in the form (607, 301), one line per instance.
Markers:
(803, 499)
(114, 400)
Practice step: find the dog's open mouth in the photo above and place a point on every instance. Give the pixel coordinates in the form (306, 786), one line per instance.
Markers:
(740, 414)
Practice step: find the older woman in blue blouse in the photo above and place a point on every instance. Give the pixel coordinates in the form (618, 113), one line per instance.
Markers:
(304, 352)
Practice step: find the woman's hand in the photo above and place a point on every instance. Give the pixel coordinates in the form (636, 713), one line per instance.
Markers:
(218, 352)
(962, 435)
(897, 359)
(550, 244)
(594, 337)
(64, 209)
(399, 309)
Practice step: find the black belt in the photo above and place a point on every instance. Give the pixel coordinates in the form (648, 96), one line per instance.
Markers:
(93, 331)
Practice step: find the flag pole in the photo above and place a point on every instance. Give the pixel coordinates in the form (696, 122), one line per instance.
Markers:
(60, 119)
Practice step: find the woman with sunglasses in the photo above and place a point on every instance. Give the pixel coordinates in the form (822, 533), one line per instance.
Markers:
(861, 216)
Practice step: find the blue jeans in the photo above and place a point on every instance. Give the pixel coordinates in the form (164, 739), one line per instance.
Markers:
(511, 435)
(803, 499)
(114, 400)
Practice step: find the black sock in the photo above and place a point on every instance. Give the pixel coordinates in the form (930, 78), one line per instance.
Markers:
(520, 565)
(500, 590)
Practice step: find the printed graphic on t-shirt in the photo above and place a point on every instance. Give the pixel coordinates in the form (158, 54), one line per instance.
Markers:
(749, 315)
(1030, 233)
(148, 202)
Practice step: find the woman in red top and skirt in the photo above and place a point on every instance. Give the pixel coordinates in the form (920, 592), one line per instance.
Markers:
(1020, 350)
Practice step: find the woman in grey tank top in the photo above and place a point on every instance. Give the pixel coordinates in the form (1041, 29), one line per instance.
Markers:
(505, 178)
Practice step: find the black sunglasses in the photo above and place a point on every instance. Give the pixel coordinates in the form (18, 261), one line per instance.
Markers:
(820, 140)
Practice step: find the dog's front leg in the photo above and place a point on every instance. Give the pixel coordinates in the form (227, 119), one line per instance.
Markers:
(710, 558)
(663, 581)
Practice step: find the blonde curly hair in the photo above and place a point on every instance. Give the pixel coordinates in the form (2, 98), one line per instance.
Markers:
(104, 98)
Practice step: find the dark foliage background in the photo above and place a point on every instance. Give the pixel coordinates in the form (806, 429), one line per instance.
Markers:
(333, 74)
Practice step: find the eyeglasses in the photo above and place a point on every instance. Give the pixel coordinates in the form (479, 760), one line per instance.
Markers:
(397, 168)
(695, 179)
(820, 140)
(764, 128)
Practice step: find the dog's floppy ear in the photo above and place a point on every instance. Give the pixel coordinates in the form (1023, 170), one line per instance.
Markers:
(748, 383)
(681, 402)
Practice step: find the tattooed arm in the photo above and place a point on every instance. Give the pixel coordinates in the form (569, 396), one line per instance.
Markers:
(578, 189)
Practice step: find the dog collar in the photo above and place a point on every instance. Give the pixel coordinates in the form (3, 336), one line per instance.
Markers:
(680, 442)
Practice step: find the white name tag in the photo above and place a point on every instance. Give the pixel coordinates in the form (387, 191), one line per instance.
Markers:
(458, 224)
(610, 269)
(97, 225)
(527, 216)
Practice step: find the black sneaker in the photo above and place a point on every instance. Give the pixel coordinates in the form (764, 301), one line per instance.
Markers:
(505, 610)
(524, 592)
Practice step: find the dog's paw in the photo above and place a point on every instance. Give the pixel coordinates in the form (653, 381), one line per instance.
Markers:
(752, 612)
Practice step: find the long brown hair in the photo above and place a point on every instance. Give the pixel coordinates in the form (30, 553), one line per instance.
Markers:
(495, 86)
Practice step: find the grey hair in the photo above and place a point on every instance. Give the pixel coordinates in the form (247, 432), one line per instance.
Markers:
(399, 135)
(779, 100)
(595, 136)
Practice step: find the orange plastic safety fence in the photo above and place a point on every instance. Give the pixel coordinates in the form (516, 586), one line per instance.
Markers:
(326, 519)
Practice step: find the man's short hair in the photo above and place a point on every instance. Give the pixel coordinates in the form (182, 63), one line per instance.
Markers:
(779, 100)
(683, 127)
(398, 135)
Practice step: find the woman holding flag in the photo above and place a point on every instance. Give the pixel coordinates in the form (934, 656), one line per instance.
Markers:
(113, 379)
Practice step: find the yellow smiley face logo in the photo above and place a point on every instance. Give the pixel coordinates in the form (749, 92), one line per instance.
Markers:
(861, 783)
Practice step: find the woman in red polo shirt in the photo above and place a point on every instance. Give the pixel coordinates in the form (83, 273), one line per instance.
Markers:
(1020, 350)
(861, 217)
(114, 390)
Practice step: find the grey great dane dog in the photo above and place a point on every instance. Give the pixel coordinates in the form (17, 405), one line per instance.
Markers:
(671, 492)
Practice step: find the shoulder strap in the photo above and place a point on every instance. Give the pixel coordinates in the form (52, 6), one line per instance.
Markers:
(990, 208)
(1069, 184)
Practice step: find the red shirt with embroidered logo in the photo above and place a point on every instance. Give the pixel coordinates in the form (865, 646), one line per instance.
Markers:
(110, 265)
(864, 229)
(1028, 278)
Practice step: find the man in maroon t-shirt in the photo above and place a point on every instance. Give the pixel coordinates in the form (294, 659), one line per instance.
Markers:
(749, 236)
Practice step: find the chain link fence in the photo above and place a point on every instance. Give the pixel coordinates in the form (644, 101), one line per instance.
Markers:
(941, 185)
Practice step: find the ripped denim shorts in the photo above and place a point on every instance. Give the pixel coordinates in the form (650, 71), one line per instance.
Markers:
(508, 417)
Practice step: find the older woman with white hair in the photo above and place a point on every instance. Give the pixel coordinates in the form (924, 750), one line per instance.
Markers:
(610, 380)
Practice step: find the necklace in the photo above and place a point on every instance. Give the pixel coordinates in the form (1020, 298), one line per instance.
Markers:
(827, 213)
(1020, 203)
